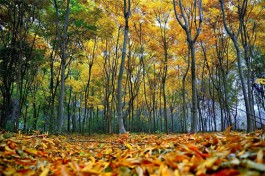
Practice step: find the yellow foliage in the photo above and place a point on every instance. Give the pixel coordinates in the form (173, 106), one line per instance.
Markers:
(260, 81)
(39, 42)
(77, 85)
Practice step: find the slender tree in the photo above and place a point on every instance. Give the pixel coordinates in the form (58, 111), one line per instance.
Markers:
(234, 35)
(127, 13)
(188, 21)
(162, 20)
(63, 65)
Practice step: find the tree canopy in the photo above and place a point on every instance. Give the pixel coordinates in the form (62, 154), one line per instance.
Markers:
(147, 65)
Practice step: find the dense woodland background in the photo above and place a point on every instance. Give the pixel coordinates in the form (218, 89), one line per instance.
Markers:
(148, 65)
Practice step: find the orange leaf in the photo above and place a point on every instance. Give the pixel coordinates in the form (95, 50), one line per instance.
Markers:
(227, 172)
(227, 130)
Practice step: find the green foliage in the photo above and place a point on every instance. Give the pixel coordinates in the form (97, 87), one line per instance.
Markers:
(258, 65)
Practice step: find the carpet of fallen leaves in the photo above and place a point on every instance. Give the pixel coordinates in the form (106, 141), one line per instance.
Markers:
(218, 154)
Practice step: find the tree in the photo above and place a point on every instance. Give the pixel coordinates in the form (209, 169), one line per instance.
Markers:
(162, 17)
(63, 65)
(71, 50)
(234, 33)
(127, 14)
(188, 18)
(19, 56)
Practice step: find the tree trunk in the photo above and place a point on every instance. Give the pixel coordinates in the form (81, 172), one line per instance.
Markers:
(244, 89)
(188, 18)
(69, 112)
(165, 105)
(184, 105)
(74, 116)
(194, 114)
(172, 118)
(63, 65)
(234, 37)
(119, 86)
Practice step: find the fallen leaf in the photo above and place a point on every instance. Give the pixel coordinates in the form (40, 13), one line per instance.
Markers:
(45, 172)
(31, 151)
(139, 171)
(227, 130)
(253, 165)
(227, 172)
(128, 146)
(260, 156)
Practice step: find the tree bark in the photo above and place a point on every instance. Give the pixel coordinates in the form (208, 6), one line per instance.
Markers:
(194, 109)
(187, 27)
(127, 11)
(234, 38)
(63, 65)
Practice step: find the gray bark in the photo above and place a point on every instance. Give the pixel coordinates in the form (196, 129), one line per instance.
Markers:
(127, 11)
(63, 65)
(187, 27)
(234, 38)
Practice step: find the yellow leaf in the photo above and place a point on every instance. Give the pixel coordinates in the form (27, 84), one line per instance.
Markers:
(10, 171)
(44, 145)
(93, 160)
(90, 171)
(164, 170)
(31, 151)
(8, 149)
(260, 81)
(210, 161)
(108, 151)
(128, 146)
(45, 172)
(176, 173)
(74, 166)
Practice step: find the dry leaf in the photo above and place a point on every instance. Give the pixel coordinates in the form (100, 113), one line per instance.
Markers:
(260, 156)
(203, 154)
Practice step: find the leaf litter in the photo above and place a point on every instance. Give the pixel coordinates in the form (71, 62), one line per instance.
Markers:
(216, 154)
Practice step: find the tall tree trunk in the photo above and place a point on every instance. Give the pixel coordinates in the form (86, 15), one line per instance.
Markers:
(165, 105)
(74, 116)
(16, 113)
(234, 37)
(163, 33)
(127, 13)
(244, 89)
(184, 105)
(194, 109)
(79, 116)
(172, 118)
(160, 110)
(247, 55)
(63, 65)
(35, 117)
(69, 112)
(53, 86)
(186, 23)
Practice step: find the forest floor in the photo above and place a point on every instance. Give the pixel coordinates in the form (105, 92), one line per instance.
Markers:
(218, 154)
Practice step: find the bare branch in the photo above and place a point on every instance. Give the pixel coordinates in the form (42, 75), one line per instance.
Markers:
(176, 15)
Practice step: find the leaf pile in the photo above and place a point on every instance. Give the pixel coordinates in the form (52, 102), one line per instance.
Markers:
(218, 154)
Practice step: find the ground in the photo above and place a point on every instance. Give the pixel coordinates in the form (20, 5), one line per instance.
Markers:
(218, 154)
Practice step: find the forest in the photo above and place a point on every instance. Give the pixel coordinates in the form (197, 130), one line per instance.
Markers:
(111, 66)
(132, 87)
